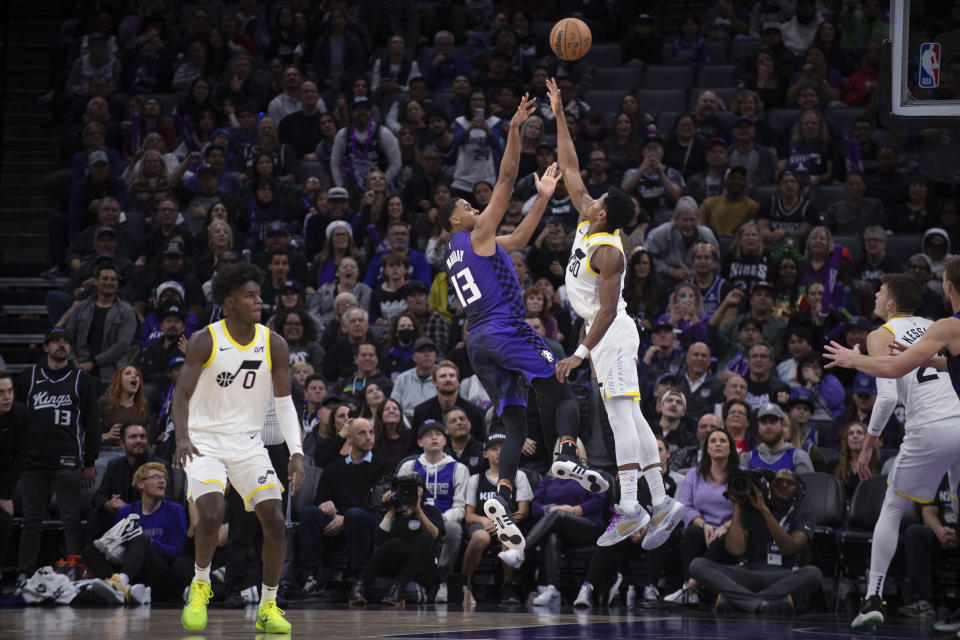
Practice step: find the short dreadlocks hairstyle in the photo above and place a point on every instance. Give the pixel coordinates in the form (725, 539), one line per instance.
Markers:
(233, 276)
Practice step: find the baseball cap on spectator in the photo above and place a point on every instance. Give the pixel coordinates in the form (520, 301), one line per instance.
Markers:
(338, 193)
(414, 286)
(278, 228)
(921, 257)
(171, 284)
(661, 326)
(857, 322)
(58, 332)
(652, 135)
(770, 409)
(865, 384)
(787, 173)
(175, 361)
(173, 310)
(330, 399)
(422, 342)
(289, 286)
(428, 425)
(749, 321)
(936, 237)
(714, 141)
(494, 437)
(762, 284)
(360, 102)
(219, 132)
(801, 396)
(96, 157)
(105, 230)
(667, 377)
(337, 224)
(767, 26)
(206, 168)
(743, 119)
(645, 18)
(173, 249)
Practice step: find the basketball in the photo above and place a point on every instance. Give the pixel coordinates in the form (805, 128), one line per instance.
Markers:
(570, 39)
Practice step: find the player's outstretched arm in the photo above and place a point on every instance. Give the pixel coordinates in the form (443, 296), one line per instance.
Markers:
(887, 366)
(608, 263)
(199, 350)
(286, 411)
(482, 236)
(567, 153)
(522, 234)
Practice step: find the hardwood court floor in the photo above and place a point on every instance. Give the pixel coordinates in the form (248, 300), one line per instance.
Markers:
(335, 622)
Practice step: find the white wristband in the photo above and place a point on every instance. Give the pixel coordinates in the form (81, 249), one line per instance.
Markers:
(582, 352)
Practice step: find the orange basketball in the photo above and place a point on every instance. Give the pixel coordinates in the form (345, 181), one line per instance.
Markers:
(570, 39)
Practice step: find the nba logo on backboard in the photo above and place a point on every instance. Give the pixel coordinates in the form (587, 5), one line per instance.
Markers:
(929, 65)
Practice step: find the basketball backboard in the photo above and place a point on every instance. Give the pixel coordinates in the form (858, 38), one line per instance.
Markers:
(920, 65)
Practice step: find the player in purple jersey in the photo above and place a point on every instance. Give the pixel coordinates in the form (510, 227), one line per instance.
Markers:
(944, 334)
(506, 354)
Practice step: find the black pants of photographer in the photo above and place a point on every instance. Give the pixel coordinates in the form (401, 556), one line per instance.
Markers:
(403, 561)
(143, 565)
(607, 561)
(555, 530)
(243, 536)
(693, 545)
(748, 588)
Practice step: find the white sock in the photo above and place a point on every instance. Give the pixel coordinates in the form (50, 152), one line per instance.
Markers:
(124, 579)
(267, 593)
(628, 488)
(201, 574)
(655, 482)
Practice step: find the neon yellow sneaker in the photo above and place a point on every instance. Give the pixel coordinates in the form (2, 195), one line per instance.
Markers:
(194, 616)
(270, 618)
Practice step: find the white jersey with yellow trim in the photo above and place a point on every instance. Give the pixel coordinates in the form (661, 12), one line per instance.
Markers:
(583, 283)
(234, 390)
(927, 394)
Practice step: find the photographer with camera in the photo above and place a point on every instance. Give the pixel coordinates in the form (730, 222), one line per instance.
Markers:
(770, 533)
(408, 541)
(446, 489)
(773, 453)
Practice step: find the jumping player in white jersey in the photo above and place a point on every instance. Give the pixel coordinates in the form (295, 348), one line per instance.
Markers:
(594, 280)
(931, 443)
(231, 370)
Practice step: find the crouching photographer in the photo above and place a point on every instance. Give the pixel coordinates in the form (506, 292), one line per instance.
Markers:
(408, 540)
(770, 533)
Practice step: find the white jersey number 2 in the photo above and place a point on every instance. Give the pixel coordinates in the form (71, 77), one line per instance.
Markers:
(468, 286)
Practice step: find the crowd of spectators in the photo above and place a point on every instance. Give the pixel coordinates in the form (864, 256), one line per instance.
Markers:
(318, 141)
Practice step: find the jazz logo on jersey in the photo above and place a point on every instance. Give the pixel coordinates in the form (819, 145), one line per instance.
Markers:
(575, 261)
(225, 378)
(929, 65)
